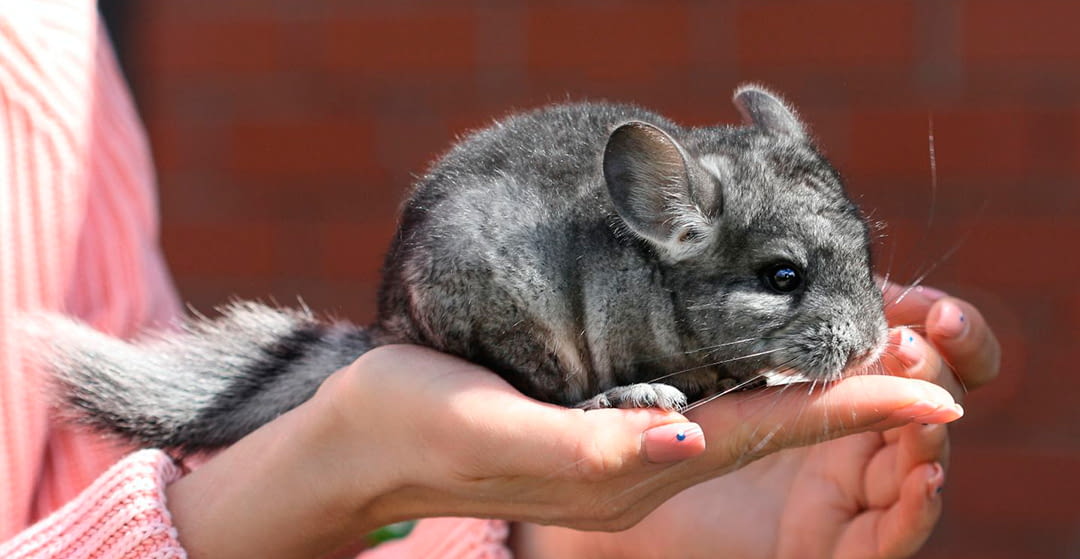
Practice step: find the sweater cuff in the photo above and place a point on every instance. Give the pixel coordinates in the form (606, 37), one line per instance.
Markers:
(449, 538)
(121, 515)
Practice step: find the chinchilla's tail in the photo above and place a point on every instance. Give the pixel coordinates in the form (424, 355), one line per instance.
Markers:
(202, 387)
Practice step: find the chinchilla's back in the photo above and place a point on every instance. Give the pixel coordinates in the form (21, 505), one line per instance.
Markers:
(590, 254)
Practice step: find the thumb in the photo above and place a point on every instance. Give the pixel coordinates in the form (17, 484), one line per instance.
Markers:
(754, 424)
(600, 444)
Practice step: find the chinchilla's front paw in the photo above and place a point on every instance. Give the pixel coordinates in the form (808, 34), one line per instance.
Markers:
(643, 395)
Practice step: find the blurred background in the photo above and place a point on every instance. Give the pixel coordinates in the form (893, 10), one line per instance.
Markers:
(285, 134)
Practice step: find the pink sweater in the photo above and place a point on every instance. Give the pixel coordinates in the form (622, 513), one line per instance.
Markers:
(78, 234)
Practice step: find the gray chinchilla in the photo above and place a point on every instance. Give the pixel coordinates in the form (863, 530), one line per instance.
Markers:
(580, 251)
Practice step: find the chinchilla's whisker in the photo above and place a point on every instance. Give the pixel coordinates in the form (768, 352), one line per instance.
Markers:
(712, 397)
(762, 375)
(698, 350)
(909, 326)
(893, 357)
(889, 265)
(942, 259)
(933, 170)
(715, 363)
(952, 370)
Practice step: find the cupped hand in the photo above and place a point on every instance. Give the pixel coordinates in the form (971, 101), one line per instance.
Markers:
(407, 432)
(466, 443)
(871, 494)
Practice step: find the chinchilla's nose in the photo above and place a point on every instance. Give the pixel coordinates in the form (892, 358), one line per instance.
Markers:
(870, 347)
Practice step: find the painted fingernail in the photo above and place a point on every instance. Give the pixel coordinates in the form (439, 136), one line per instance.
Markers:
(908, 349)
(951, 322)
(673, 442)
(930, 293)
(935, 484)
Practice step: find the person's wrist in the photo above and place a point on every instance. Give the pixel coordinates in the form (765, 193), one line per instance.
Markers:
(365, 463)
(296, 487)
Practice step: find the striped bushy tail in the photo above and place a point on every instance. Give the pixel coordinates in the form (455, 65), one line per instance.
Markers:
(201, 387)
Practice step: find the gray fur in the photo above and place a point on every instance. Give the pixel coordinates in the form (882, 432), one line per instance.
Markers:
(204, 386)
(580, 251)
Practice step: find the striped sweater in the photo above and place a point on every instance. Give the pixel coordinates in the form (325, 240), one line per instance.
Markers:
(78, 234)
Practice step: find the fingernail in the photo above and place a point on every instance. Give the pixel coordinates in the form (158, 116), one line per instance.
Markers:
(951, 322)
(908, 349)
(917, 409)
(927, 412)
(673, 442)
(935, 484)
(946, 414)
(931, 293)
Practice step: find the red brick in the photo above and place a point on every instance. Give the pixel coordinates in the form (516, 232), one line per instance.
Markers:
(166, 146)
(407, 42)
(304, 149)
(1016, 254)
(215, 47)
(408, 144)
(206, 294)
(1035, 30)
(355, 251)
(969, 144)
(1002, 483)
(986, 143)
(349, 299)
(235, 250)
(1035, 84)
(617, 41)
(1006, 537)
(841, 33)
(889, 144)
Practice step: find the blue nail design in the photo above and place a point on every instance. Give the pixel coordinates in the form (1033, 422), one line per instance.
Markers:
(911, 339)
(680, 436)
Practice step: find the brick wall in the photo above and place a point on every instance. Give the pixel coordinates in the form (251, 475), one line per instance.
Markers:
(286, 132)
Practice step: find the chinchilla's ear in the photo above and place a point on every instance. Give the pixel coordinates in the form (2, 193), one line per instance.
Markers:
(649, 182)
(767, 111)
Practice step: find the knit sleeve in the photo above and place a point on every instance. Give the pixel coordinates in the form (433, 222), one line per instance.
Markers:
(449, 538)
(121, 515)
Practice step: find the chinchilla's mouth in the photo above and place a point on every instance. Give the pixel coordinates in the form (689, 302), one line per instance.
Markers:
(774, 377)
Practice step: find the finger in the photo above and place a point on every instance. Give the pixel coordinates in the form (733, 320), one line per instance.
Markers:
(910, 446)
(909, 355)
(907, 306)
(923, 443)
(902, 528)
(751, 425)
(602, 444)
(965, 340)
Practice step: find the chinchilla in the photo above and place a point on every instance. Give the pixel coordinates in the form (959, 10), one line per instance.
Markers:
(591, 254)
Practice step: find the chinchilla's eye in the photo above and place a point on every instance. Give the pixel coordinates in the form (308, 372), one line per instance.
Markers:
(783, 277)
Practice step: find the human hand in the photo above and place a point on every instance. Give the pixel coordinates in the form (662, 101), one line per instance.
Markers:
(873, 494)
(406, 432)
